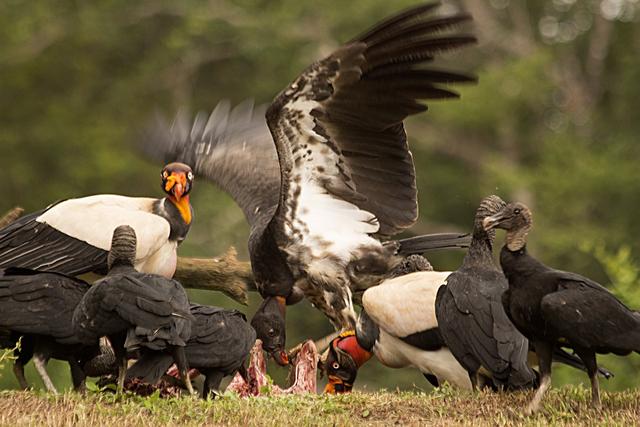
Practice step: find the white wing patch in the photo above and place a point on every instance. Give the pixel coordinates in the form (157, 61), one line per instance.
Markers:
(92, 219)
(395, 353)
(326, 223)
(405, 305)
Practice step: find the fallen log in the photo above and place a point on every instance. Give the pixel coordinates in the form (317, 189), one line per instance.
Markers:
(11, 216)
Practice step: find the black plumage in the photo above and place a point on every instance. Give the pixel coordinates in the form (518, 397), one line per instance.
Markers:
(37, 309)
(558, 308)
(136, 311)
(471, 318)
(218, 347)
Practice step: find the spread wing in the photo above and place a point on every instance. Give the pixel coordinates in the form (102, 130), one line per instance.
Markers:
(231, 147)
(40, 303)
(344, 160)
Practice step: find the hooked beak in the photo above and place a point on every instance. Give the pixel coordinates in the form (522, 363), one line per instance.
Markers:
(492, 221)
(336, 386)
(176, 183)
(280, 357)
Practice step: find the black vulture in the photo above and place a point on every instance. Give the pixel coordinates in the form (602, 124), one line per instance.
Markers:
(36, 309)
(73, 236)
(559, 308)
(343, 176)
(136, 311)
(470, 316)
(218, 347)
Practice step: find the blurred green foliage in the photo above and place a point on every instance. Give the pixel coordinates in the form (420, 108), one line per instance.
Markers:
(553, 121)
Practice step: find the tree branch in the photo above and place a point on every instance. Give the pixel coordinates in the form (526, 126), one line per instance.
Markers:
(11, 216)
(224, 273)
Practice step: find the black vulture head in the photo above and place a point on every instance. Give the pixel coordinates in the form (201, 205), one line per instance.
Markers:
(123, 247)
(270, 325)
(516, 219)
(342, 361)
(489, 206)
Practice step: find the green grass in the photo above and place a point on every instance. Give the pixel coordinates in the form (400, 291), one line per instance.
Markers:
(563, 406)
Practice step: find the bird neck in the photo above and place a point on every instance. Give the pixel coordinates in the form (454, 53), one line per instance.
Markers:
(517, 239)
(121, 267)
(184, 207)
(349, 343)
(481, 247)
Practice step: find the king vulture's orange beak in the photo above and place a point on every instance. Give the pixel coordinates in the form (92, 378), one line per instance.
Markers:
(176, 183)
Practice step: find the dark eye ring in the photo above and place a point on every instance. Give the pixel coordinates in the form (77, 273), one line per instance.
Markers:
(335, 365)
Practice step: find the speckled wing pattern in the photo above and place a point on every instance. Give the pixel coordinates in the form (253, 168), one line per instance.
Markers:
(345, 165)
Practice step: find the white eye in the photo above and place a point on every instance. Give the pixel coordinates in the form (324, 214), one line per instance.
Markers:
(165, 174)
(335, 365)
(190, 175)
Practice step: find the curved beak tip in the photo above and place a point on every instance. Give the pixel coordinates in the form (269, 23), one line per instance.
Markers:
(281, 357)
(488, 223)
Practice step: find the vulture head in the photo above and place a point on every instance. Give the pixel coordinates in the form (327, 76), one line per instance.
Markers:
(269, 323)
(342, 361)
(177, 180)
(516, 219)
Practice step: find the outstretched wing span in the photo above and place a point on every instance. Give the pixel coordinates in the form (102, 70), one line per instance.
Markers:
(338, 128)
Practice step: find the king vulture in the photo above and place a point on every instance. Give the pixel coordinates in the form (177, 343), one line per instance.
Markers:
(344, 174)
(72, 237)
(557, 308)
(36, 309)
(137, 311)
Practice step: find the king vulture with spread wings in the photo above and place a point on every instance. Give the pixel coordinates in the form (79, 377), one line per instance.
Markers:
(73, 236)
(336, 174)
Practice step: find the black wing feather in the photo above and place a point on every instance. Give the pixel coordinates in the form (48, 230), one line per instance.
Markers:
(476, 329)
(34, 245)
(40, 303)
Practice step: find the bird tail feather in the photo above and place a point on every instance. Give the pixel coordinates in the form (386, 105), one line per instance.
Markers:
(150, 367)
(420, 244)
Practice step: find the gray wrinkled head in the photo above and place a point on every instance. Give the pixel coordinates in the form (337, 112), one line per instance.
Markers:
(123, 247)
(489, 206)
(411, 264)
